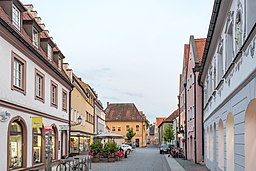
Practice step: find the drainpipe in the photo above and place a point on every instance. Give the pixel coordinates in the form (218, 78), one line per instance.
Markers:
(202, 107)
(194, 70)
(185, 129)
(179, 116)
(69, 121)
(142, 133)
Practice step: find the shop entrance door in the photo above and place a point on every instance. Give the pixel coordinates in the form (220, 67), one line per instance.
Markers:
(137, 142)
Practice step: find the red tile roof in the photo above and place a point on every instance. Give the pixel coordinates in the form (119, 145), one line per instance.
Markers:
(200, 43)
(186, 55)
(159, 121)
(123, 112)
(172, 116)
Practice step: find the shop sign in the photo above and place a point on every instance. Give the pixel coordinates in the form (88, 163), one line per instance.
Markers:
(47, 128)
(4, 116)
(180, 135)
(37, 122)
(63, 127)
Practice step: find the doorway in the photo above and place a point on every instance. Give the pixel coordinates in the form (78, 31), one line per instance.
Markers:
(137, 142)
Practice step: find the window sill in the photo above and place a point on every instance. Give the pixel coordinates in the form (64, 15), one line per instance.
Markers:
(21, 90)
(39, 99)
(54, 105)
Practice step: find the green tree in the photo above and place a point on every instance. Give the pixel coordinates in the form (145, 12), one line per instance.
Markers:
(130, 134)
(168, 133)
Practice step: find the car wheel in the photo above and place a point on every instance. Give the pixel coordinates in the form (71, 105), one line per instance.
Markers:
(160, 152)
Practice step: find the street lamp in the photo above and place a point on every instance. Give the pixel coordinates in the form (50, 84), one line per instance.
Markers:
(79, 119)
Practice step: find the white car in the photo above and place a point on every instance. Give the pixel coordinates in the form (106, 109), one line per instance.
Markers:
(126, 147)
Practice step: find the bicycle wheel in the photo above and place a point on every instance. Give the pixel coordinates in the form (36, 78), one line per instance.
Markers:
(61, 167)
(83, 167)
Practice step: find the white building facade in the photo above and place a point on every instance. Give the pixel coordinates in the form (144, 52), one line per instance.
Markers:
(33, 85)
(100, 118)
(229, 79)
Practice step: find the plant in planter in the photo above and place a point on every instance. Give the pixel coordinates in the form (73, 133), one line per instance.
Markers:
(110, 148)
(96, 148)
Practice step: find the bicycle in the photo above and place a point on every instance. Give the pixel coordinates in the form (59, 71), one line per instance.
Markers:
(72, 165)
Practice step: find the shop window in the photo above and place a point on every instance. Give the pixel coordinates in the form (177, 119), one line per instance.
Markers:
(37, 145)
(17, 144)
(54, 143)
(74, 144)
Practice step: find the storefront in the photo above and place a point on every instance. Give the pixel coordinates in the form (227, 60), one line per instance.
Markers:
(79, 142)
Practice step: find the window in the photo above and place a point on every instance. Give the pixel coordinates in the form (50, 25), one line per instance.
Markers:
(137, 127)
(17, 145)
(37, 145)
(113, 128)
(16, 16)
(64, 100)
(54, 95)
(18, 73)
(119, 128)
(35, 37)
(49, 52)
(39, 86)
(54, 143)
(220, 63)
(238, 34)
(229, 46)
(127, 127)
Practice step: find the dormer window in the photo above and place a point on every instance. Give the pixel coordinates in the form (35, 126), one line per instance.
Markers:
(35, 37)
(16, 16)
(49, 52)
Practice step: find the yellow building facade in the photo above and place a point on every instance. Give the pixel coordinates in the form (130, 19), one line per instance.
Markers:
(82, 114)
(122, 116)
(122, 128)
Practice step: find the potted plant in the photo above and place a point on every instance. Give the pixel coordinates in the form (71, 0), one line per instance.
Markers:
(96, 148)
(110, 148)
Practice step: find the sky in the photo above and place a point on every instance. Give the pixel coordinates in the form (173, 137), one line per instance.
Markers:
(129, 51)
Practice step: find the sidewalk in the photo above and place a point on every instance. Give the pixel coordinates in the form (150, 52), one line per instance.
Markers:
(178, 164)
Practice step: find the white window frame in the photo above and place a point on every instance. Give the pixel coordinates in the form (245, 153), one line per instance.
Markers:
(50, 52)
(16, 17)
(35, 37)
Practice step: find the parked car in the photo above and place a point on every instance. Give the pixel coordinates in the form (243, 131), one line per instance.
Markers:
(126, 147)
(164, 148)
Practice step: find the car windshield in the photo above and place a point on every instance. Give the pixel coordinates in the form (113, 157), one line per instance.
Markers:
(163, 146)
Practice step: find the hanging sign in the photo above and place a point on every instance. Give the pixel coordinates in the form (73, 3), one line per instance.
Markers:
(4, 116)
(37, 122)
(63, 127)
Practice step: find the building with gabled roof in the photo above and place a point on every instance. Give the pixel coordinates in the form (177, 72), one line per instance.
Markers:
(123, 116)
(165, 123)
(194, 101)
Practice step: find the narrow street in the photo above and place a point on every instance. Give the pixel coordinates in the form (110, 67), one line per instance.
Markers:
(143, 159)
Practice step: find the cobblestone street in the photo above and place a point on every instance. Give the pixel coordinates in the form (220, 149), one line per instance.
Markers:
(143, 159)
